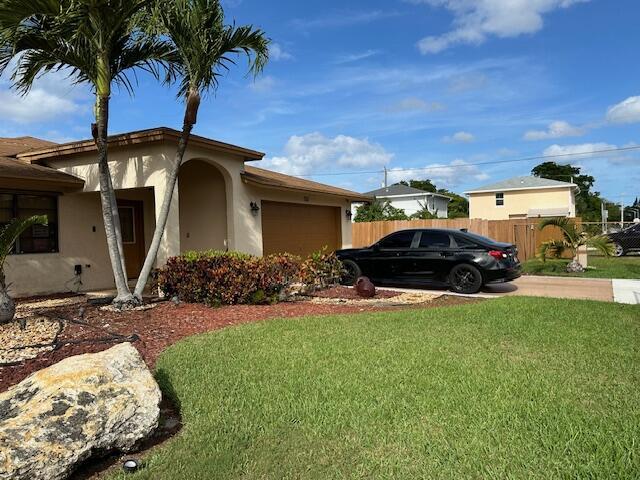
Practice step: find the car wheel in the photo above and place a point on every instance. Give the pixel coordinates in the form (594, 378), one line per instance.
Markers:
(351, 272)
(465, 278)
(618, 251)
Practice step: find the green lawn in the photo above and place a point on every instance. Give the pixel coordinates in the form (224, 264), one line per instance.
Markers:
(599, 267)
(509, 388)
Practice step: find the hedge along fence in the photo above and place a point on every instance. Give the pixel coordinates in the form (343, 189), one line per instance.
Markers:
(227, 278)
(523, 233)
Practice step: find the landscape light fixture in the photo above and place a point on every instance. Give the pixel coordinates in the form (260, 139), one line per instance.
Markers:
(131, 465)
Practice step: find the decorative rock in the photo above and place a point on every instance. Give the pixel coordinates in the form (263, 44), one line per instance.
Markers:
(575, 267)
(365, 288)
(61, 415)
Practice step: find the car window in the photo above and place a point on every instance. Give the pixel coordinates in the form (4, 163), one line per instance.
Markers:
(398, 240)
(465, 243)
(435, 240)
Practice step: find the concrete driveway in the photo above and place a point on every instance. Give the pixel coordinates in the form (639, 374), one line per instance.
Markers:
(606, 290)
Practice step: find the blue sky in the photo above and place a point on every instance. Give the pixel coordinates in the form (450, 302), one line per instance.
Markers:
(433, 85)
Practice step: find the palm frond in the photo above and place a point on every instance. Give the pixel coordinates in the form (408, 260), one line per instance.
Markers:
(566, 225)
(602, 244)
(13, 230)
(551, 248)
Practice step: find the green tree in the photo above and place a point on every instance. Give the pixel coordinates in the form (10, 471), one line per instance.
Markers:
(204, 48)
(424, 185)
(379, 210)
(458, 206)
(8, 237)
(98, 43)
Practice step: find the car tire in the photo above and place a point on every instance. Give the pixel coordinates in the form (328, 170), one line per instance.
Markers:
(618, 250)
(351, 272)
(465, 278)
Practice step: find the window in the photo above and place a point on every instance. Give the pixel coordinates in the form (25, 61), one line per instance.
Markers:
(499, 199)
(398, 240)
(435, 240)
(38, 238)
(465, 243)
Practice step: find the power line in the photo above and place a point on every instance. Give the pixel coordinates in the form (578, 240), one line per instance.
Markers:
(493, 162)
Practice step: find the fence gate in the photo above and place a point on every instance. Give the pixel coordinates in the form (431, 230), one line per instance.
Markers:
(525, 239)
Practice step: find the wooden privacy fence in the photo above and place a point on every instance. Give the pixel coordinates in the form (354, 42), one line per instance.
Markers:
(524, 233)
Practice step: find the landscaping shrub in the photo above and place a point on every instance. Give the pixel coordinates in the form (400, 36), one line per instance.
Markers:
(226, 278)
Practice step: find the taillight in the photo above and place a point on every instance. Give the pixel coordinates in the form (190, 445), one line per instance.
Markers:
(497, 254)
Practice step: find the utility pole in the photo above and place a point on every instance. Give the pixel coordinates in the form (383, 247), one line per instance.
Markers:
(385, 177)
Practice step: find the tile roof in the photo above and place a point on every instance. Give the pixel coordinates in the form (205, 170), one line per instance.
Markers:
(269, 178)
(518, 183)
(10, 168)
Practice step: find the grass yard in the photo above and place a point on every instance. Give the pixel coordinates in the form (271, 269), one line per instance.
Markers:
(510, 388)
(599, 267)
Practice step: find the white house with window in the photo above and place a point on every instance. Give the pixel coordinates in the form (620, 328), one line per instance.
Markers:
(523, 197)
(413, 200)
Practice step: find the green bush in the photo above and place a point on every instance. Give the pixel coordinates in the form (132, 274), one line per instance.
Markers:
(217, 278)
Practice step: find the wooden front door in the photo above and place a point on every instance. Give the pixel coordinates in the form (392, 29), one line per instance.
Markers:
(132, 223)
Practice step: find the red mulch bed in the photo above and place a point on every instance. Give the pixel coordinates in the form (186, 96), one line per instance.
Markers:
(351, 294)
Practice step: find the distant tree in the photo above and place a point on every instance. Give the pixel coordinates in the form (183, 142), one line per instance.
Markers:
(426, 185)
(458, 206)
(379, 210)
(424, 213)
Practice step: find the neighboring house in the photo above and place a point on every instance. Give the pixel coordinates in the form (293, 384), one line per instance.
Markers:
(412, 200)
(523, 197)
(220, 202)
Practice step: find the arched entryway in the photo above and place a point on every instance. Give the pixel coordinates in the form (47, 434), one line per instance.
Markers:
(203, 207)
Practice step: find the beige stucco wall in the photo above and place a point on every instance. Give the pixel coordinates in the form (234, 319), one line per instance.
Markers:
(519, 202)
(139, 172)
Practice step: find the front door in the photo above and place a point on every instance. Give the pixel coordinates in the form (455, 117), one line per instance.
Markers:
(132, 223)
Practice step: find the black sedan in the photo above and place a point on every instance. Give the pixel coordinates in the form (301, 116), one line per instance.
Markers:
(456, 259)
(625, 241)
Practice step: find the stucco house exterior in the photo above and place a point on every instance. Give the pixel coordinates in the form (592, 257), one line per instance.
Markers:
(220, 202)
(523, 197)
(412, 200)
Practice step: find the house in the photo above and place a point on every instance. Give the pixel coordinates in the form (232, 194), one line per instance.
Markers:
(523, 197)
(220, 202)
(412, 200)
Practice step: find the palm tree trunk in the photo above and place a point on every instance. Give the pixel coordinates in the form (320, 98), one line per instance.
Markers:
(191, 112)
(7, 304)
(107, 198)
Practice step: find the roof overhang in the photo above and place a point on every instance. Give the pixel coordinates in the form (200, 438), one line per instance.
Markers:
(154, 135)
(266, 182)
(423, 194)
(515, 189)
(16, 175)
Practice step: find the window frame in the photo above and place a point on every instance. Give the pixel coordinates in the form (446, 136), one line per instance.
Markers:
(53, 195)
(411, 244)
(501, 199)
(426, 232)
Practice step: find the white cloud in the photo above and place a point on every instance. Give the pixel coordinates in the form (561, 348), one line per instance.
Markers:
(467, 82)
(573, 153)
(447, 175)
(557, 129)
(415, 104)
(52, 96)
(342, 19)
(475, 20)
(627, 111)
(263, 84)
(355, 57)
(315, 152)
(277, 53)
(459, 137)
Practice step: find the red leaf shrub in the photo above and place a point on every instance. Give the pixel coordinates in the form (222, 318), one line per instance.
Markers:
(227, 278)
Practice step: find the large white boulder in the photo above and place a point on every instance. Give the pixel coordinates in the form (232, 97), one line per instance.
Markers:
(61, 415)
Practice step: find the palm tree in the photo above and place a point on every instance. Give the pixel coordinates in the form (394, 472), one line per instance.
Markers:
(573, 239)
(204, 48)
(8, 236)
(98, 42)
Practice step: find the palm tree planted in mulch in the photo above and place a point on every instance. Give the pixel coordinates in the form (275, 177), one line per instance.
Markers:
(97, 43)
(8, 237)
(573, 237)
(204, 48)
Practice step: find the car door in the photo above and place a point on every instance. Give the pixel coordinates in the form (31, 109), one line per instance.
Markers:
(434, 257)
(389, 260)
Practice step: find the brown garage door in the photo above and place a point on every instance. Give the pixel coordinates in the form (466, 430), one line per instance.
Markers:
(299, 229)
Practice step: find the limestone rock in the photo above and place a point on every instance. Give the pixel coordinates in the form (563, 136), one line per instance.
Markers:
(61, 415)
(575, 267)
